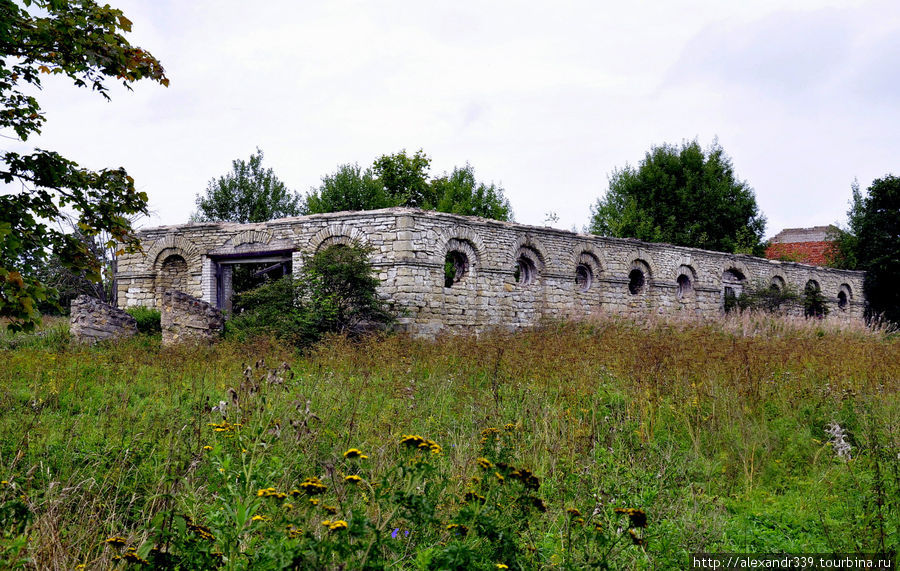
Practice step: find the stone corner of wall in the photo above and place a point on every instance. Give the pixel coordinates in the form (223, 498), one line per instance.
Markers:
(187, 319)
(93, 320)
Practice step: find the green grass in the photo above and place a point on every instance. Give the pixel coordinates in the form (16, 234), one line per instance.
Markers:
(717, 431)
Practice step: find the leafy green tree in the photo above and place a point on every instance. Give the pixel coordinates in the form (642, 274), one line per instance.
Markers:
(349, 188)
(405, 179)
(402, 180)
(872, 243)
(84, 42)
(249, 193)
(459, 193)
(684, 196)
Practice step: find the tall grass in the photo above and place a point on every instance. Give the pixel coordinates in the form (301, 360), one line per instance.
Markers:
(717, 431)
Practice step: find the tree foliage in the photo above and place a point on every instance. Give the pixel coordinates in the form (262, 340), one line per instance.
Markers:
(872, 243)
(403, 180)
(249, 193)
(459, 193)
(85, 43)
(349, 188)
(333, 292)
(684, 196)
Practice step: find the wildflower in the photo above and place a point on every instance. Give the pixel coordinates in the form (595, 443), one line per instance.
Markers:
(501, 566)
(573, 512)
(116, 541)
(352, 479)
(336, 525)
(500, 477)
(207, 447)
(637, 517)
(484, 463)
(509, 426)
(598, 526)
(259, 518)
(329, 509)
(313, 486)
(4, 483)
(354, 453)
(578, 520)
(412, 440)
(634, 537)
(287, 506)
(395, 533)
(838, 440)
(132, 557)
(265, 492)
(314, 501)
(294, 532)
(527, 477)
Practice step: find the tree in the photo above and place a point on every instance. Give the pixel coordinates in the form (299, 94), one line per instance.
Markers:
(405, 179)
(249, 193)
(402, 180)
(459, 193)
(682, 196)
(349, 188)
(872, 243)
(84, 42)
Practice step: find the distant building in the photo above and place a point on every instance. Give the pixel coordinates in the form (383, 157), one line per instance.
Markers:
(804, 245)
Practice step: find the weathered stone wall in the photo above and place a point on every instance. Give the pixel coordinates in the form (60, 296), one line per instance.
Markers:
(507, 274)
(186, 319)
(92, 320)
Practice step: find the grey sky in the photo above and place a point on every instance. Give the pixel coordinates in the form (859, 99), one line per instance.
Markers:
(545, 99)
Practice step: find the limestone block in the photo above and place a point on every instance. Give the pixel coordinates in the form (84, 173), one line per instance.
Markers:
(92, 321)
(186, 319)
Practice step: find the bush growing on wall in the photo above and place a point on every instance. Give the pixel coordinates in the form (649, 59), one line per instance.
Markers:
(333, 292)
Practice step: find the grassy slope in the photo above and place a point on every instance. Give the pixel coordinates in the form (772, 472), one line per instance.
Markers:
(717, 432)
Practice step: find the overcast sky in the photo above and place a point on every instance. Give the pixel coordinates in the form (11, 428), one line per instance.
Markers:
(545, 99)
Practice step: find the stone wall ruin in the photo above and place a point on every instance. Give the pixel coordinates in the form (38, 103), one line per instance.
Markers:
(499, 273)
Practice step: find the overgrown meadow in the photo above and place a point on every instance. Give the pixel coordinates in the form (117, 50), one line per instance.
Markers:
(608, 444)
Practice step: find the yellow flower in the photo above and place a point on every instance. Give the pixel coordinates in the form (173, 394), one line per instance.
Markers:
(259, 518)
(573, 512)
(330, 509)
(207, 447)
(353, 453)
(313, 486)
(499, 476)
(314, 501)
(353, 479)
(502, 566)
(116, 541)
(287, 506)
(337, 525)
(484, 463)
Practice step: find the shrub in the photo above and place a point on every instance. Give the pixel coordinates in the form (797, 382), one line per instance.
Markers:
(334, 292)
(148, 319)
(762, 296)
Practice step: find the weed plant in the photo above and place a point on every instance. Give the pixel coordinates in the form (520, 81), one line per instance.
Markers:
(608, 443)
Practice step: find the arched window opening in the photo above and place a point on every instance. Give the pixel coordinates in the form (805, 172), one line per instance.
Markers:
(584, 277)
(456, 265)
(526, 270)
(733, 281)
(813, 301)
(636, 282)
(685, 287)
